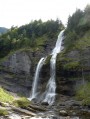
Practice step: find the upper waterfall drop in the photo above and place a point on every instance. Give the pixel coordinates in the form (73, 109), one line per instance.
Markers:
(36, 78)
(57, 48)
(51, 85)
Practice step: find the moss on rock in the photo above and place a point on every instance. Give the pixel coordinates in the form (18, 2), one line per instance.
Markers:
(22, 102)
(5, 96)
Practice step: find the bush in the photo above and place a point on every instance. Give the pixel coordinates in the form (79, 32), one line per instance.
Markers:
(83, 94)
(3, 112)
(22, 102)
(5, 96)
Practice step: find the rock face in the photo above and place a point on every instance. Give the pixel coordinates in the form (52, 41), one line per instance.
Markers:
(17, 71)
(71, 70)
(18, 63)
(81, 55)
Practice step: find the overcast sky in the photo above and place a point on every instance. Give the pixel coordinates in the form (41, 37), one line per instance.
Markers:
(20, 12)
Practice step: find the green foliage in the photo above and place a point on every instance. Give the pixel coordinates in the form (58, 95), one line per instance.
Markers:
(41, 40)
(77, 33)
(5, 96)
(22, 102)
(47, 62)
(3, 30)
(83, 42)
(72, 65)
(3, 112)
(83, 94)
(31, 35)
(70, 40)
(73, 20)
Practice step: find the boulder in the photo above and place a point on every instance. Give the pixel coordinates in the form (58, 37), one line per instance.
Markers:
(63, 113)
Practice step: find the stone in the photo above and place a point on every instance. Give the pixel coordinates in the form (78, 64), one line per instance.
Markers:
(68, 117)
(45, 103)
(63, 113)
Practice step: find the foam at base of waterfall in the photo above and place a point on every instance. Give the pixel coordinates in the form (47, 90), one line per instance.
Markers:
(50, 98)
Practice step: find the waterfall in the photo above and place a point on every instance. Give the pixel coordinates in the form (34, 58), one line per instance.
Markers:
(36, 78)
(51, 85)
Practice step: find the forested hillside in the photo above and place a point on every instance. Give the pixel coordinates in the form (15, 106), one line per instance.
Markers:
(33, 35)
(78, 30)
(77, 39)
(3, 30)
(74, 61)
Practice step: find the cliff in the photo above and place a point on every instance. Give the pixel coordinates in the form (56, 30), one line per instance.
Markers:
(18, 68)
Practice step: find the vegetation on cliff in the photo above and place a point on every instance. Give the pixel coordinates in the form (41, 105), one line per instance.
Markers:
(33, 36)
(77, 41)
(5, 96)
(83, 94)
(3, 30)
(74, 61)
(78, 30)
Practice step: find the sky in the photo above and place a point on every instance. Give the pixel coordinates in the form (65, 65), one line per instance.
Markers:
(20, 12)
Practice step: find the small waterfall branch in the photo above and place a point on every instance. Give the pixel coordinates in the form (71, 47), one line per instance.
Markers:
(36, 78)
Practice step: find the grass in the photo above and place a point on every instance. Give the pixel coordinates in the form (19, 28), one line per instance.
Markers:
(5, 96)
(8, 98)
(22, 102)
(3, 112)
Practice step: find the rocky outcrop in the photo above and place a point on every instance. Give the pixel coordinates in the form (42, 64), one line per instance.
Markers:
(19, 62)
(18, 68)
(15, 72)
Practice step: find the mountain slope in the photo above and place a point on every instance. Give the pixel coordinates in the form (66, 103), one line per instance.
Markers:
(3, 30)
(35, 35)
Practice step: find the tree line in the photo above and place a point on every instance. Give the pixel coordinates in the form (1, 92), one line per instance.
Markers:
(27, 35)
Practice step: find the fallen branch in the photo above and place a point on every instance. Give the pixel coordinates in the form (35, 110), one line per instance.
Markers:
(23, 111)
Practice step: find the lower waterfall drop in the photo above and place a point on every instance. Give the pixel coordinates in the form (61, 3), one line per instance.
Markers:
(51, 85)
(36, 78)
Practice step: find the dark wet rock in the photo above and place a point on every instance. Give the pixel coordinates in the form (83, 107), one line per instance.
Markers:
(72, 103)
(55, 117)
(64, 86)
(84, 112)
(45, 103)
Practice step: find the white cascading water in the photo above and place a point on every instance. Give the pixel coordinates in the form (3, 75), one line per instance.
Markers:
(51, 86)
(36, 78)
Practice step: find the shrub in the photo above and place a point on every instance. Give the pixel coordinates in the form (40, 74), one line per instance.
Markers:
(5, 96)
(22, 102)
(3, 112)
(83, 94)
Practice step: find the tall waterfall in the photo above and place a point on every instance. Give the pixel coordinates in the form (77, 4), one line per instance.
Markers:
(51, 86)
(36, 78)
